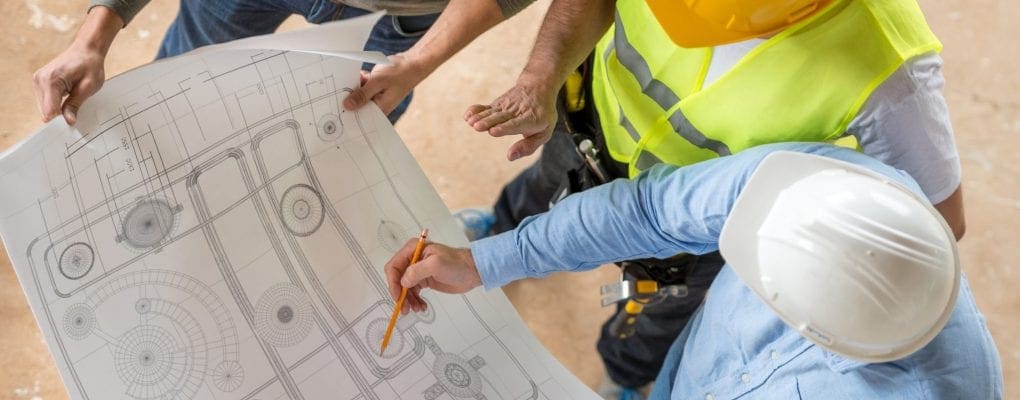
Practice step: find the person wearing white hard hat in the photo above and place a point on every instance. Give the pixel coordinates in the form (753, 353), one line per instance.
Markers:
(682, 81)
(841, 280)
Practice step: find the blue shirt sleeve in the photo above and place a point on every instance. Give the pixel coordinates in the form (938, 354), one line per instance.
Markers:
(662, 212)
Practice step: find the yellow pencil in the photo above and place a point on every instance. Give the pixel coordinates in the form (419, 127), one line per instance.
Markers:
(403, 294)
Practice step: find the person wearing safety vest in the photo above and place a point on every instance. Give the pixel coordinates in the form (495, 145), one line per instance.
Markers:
(841, 280)
(679, 82)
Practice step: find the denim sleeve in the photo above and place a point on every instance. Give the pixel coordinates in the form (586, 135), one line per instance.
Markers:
(127, 9)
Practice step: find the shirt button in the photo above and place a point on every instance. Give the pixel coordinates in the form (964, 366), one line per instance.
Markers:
(775, 355)
(745, 377)
(709, 397)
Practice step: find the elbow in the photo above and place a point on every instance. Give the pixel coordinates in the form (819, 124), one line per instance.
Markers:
(959, 228)
(952, 210)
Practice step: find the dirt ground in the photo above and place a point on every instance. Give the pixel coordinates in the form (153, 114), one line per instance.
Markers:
(468, 168)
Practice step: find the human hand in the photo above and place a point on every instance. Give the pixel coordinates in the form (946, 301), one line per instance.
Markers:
(387, 85)
(77, 73)
(442, 268)
(527, 109)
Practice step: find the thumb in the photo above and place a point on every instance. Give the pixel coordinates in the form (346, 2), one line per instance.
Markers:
(527, 146)
(84, 89)
(415, 274)
(361, 96)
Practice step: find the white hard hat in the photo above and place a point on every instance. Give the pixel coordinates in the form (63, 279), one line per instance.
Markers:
(855, 262)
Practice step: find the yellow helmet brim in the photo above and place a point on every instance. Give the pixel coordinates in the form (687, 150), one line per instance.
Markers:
(689, 29)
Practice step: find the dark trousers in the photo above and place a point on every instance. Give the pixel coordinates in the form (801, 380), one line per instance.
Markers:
(636, 360)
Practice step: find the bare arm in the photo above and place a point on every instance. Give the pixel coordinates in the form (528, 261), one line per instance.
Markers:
(568, 34)
(952, 210)
(77, 72)
(459, 24)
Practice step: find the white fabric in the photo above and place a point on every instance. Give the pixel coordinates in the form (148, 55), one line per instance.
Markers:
(905, 123)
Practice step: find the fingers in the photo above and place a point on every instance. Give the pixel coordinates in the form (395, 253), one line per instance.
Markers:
(397, 265)
(84, 89)
(363, 75)
(471, 111)
(359, 97)
(499, 122)
(493, 118)
(480, 113)
(418, 273)
(50, 89)
(527, 146)
(520, 125)
(414, 301)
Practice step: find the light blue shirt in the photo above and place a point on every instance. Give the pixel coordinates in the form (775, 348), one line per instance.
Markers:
(735, 346)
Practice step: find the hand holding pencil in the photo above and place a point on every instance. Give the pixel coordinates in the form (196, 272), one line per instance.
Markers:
(418, 247)
(441, 268)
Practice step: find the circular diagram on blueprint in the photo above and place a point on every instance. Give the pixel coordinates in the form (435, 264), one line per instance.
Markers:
(165, 333)
(330, 127)
(283, 315)
(302, 209)
(148, 223)
(76, 260)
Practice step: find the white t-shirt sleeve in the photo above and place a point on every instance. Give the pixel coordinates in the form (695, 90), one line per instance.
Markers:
(905, 124)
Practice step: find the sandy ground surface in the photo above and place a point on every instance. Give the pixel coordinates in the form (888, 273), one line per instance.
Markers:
(981, 52)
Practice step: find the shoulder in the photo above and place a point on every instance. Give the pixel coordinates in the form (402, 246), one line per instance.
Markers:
(919, 74)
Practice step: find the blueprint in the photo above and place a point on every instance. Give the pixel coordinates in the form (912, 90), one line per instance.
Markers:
(215, 227)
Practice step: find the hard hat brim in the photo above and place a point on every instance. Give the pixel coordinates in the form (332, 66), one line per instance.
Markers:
(738, 242)
(688, 29)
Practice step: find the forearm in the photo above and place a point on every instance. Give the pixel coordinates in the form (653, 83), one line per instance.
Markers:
(126, 9)
(665, 211)
(98, 31)
(460, 23)
(569, 33)
(952, 210)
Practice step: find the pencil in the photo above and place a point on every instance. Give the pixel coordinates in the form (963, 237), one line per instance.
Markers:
(403, 294)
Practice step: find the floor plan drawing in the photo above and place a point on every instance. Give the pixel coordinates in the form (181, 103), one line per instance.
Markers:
(215, 228)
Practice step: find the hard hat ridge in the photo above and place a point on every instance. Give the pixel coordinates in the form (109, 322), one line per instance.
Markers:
(854, 262)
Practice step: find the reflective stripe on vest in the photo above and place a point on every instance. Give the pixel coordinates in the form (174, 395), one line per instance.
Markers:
(658, 92)
(804, 84)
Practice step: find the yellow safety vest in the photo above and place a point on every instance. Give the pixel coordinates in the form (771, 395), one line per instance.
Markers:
(804, 84)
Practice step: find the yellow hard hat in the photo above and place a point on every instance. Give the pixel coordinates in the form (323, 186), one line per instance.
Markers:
(704, 23)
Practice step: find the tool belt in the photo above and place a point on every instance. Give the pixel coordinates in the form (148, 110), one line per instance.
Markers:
(643, 282)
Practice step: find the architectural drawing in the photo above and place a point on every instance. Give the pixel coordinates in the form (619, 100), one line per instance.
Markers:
(215, 228)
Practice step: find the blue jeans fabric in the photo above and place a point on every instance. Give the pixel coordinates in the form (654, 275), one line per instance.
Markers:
(203, 22)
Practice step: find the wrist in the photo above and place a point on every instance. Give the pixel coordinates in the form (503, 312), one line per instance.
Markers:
(98, 31)
(417, 64)
(469, 260)
(542, 85)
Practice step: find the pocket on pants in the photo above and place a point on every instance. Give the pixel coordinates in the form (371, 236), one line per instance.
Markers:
(412, 25)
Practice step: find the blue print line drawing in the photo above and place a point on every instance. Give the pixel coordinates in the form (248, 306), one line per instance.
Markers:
(215, 329)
